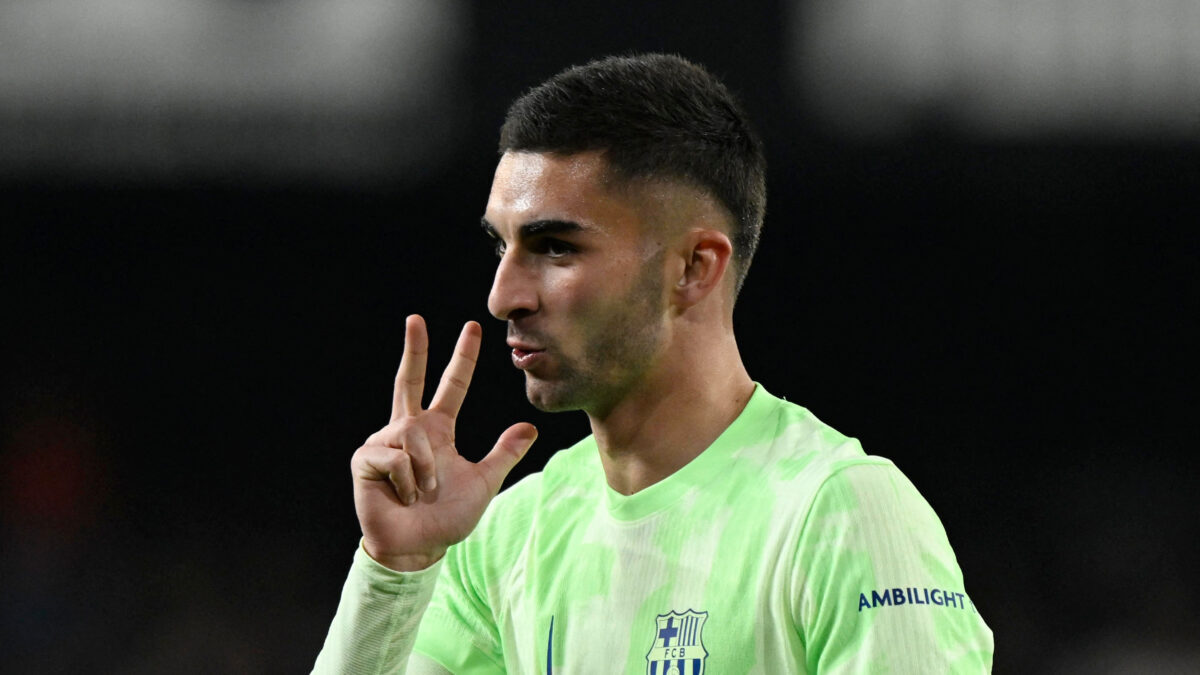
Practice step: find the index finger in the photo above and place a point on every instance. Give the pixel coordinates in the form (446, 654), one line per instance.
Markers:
(457, 377)
(410, 378)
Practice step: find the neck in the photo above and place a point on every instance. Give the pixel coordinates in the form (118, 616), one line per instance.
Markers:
(673, 414)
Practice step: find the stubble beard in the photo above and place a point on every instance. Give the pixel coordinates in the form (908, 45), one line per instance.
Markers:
(621, 347)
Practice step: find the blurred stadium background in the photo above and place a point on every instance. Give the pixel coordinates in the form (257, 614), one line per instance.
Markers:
(980, 259)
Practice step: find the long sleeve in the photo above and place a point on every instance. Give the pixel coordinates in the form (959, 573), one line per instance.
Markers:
(377, 618)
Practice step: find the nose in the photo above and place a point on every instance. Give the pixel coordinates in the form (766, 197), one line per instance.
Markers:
(514, 290)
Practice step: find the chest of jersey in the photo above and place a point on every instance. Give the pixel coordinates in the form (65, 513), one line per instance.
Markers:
(695, 590)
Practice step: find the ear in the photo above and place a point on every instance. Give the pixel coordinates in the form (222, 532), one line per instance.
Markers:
(707, 257)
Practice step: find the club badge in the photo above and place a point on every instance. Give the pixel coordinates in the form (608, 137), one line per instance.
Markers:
(678, 647)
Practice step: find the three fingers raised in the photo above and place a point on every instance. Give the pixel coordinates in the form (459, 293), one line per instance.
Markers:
(402, 452)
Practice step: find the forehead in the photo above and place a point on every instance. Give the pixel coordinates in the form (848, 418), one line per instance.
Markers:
(534, 186)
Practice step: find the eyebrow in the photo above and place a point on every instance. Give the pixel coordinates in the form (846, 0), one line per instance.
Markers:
(536, 228)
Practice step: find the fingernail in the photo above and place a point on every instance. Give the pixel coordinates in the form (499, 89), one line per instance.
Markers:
(408, 499)
(429, 484)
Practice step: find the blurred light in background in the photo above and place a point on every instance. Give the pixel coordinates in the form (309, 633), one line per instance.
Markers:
(336, 90)
(51, 479)
(1100, 69)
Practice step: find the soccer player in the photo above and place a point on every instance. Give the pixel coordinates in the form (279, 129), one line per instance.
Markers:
(705, 525)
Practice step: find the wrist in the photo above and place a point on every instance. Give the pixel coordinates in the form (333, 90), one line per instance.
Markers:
(404, 562)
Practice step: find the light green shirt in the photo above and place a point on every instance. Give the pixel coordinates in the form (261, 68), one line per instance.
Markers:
(782, 548)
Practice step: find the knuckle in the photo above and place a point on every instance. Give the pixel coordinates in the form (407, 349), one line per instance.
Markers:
(379, 437)
(409, 380)
(456, 381)
(392, 435)
(406, 434)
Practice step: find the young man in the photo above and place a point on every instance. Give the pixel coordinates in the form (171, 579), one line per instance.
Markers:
(705, 525)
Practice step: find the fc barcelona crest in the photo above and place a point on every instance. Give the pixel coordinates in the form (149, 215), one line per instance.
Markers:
(678, 647)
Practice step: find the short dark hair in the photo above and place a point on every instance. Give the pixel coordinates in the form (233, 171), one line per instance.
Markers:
(656, 116)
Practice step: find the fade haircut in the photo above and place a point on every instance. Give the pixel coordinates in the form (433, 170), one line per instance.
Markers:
(652, 116)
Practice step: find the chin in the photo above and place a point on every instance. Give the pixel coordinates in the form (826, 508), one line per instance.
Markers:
(550, 396)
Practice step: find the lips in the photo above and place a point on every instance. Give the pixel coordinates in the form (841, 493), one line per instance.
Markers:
(525, 354)
(523, 345)
(526, 359)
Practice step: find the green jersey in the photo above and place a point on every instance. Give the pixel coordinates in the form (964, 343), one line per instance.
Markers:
(782, 548)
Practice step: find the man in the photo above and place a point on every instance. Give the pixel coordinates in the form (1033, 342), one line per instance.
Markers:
(705, 525)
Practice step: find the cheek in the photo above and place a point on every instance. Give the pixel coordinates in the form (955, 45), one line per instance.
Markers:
(584, 306)
(577, 289)
(596, 293)
(578, 306)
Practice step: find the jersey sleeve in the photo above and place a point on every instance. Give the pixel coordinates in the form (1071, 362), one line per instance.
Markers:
(460, 631)
(877, 586)
(376, 622)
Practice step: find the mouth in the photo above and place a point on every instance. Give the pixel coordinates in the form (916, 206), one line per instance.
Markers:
(526, 358)
(525, 355)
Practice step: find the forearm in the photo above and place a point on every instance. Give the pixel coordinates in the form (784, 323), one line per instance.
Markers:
(377, 619)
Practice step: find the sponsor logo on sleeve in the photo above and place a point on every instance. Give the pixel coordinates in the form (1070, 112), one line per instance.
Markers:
(894, 597)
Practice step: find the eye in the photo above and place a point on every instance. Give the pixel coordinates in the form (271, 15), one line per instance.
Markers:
(498, 247)
(554, 248)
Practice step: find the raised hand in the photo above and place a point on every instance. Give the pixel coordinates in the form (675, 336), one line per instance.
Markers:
(414, 494)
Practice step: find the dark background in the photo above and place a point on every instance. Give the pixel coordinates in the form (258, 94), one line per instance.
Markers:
(192, 359)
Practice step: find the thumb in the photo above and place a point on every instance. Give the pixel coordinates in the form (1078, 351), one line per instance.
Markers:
(509, 449)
